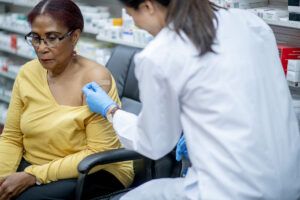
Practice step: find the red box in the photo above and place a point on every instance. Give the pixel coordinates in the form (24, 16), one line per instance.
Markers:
(286, 53)
(1, 129)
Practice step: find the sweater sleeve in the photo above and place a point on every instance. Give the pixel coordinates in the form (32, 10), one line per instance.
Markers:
(100, 136)
(11, 141)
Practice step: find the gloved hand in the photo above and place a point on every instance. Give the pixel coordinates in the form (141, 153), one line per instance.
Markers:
(97, 99)
(181, 149)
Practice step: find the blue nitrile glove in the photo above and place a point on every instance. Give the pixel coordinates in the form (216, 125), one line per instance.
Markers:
(97, 99)
(181, 149)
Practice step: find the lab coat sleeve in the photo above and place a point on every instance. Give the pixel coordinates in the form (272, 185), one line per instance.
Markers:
(157, 129)
(11, 141)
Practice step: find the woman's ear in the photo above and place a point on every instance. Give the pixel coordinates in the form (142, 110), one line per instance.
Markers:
(75, 36)
(149, 6)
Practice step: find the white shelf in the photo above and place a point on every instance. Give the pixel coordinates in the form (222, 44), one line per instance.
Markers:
(7, 75)
(123, 42)
(30, 5)
(4, 99)
(19, 3)
(24, 32)
(6, 1)
(20, 31)
(287, 24)
(22, 54)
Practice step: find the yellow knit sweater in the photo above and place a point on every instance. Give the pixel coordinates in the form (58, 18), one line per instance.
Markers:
(54, 138)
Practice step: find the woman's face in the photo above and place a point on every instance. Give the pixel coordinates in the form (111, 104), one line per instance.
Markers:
(52, 56)
(150, 16)
(140, 18)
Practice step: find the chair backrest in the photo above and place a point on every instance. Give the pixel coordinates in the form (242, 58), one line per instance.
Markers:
(121, 65)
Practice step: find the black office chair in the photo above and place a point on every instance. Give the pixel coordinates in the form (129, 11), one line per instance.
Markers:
(121, 66)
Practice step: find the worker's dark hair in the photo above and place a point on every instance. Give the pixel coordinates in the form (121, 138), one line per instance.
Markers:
(65, 11)
(196, 18)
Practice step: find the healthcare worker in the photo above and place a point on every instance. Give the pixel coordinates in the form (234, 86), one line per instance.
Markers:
(214, 74)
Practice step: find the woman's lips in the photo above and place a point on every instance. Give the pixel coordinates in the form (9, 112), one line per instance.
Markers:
(46, 60)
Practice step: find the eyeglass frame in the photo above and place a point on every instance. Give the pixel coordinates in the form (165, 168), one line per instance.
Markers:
(45, 42)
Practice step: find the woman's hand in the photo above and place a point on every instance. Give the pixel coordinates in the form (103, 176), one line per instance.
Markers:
(14, 184)
(97, 99)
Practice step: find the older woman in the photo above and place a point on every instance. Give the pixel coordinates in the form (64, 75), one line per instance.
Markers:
(49, 129)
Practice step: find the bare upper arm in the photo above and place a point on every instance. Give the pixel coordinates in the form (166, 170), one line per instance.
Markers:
(99, 74)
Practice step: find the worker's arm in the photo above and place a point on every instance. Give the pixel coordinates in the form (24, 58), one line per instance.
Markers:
(157, 129)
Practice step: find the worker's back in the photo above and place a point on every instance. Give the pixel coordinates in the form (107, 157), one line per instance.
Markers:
(237, 115)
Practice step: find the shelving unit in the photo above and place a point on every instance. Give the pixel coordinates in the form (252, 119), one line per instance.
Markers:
(122, 42)
(21, 54)
(7, 75)
(4, 99)
(5, 1)
(284, 24)
(19, 3)
(12, 29)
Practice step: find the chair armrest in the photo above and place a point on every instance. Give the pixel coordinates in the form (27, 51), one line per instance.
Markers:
(106, 157)
(101, 158)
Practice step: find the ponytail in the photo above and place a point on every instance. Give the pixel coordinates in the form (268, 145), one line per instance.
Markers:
(196, 19)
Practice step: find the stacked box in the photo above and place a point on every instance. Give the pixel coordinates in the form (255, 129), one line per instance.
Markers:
(294, 10)
(293, 71)
(286, 53)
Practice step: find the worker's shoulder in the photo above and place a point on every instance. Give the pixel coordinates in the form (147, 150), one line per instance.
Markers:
(167, 44)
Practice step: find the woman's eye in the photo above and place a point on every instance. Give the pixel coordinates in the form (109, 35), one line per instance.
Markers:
(35, 38)
(51, 38)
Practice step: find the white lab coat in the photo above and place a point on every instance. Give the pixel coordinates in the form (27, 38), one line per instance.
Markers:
(235, 110)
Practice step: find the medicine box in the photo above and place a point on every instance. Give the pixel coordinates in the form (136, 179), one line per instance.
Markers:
(294, 9)
(286, 53)
(293, 76)
(270, 13)
(293, 65)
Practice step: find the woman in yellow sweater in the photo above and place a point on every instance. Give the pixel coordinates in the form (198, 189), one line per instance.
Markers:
(49, 129)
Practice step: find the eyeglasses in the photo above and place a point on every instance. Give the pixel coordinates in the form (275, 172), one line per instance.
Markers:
(50, 41)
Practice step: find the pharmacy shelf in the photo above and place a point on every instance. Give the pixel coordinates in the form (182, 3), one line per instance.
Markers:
(21, 54)
(19, 3)
(7, 75)
(284, 22)
(287, 24)
(12, 29)
(4, 99)
(30, 5)
(123, 42)
(6, 1)
(24, 32)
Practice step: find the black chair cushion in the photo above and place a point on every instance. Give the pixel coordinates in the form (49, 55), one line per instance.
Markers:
(119, 63)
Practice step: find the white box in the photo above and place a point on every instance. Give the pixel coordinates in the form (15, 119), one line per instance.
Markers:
(293, 65)
(295, 9)
(293, 76)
